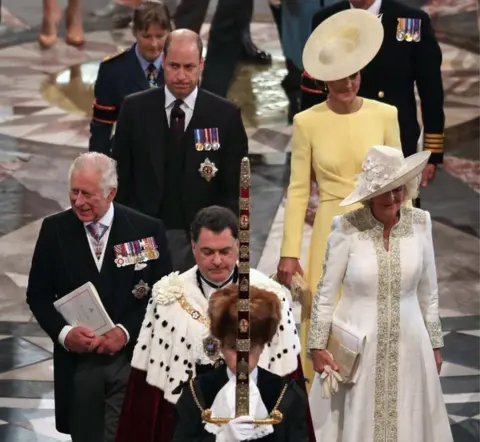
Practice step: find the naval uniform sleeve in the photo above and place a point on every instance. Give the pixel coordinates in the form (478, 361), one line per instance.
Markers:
(105, 110)
(428, 77)
(312, 91)
(122, 151)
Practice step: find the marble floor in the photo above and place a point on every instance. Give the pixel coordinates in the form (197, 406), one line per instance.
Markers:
(45, 100)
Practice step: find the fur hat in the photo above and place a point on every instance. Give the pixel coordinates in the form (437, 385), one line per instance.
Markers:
(265, 315)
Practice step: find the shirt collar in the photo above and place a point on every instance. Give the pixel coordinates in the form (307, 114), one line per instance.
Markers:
(253, 375)
(217, 285)
(374, 8)
(106, 219)
(145, 63)
(189, 101)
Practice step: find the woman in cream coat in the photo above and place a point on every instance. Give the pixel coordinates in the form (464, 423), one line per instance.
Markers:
(383, 256)
(332, 138)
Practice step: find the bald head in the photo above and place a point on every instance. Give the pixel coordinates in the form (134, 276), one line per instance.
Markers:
(183, 37)
(182, 62)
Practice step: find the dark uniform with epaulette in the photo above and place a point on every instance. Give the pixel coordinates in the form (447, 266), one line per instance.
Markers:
(410, 54)
(119, 75)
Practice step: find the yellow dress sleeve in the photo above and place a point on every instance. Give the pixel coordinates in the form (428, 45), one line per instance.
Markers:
(298, 192)
(392, 128)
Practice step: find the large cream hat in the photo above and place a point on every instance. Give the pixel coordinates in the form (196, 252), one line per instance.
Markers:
(385, 169)
(342, 45)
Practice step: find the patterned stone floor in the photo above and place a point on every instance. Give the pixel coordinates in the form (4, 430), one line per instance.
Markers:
(45, 99)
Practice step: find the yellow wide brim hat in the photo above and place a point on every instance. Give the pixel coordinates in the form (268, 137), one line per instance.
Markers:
(342, 45)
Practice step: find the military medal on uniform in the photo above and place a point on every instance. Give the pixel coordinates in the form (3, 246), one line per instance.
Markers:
(207, 170)
(137, 251)
(408, 29)
(141, 290)
(207, 136)
(198, 134)
(215, 138)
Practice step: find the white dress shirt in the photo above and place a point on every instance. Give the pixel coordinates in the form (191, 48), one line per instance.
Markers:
(187, 106)
(209, 289)
(106, 220)
(374, 8)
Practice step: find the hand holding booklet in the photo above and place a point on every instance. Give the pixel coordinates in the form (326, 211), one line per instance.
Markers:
(84, 308)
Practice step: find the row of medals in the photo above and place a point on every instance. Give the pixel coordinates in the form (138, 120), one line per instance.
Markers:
(143, 256)
(207, 146)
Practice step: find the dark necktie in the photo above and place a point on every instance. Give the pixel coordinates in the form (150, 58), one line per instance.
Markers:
(152, 75)
(177, 121)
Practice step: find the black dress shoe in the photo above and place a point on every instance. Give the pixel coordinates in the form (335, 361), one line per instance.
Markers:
(253, 55)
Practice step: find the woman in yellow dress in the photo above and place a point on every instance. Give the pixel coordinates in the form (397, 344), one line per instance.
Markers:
(332, 139)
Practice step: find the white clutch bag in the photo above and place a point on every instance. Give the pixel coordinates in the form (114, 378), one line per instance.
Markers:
(346, 345)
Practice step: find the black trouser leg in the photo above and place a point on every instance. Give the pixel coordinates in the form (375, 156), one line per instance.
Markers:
(190, 14)
(225, 44)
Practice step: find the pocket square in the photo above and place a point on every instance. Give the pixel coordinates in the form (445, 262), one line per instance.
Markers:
(140, 266)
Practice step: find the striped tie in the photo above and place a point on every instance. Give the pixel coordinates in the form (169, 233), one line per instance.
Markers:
(97, 231)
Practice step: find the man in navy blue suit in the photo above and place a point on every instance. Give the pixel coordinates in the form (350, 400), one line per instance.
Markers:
(133, 70)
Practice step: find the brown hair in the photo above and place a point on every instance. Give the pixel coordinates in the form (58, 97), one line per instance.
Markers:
(265, 315)
(151, 13)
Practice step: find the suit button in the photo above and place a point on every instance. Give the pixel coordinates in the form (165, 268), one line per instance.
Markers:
(381, 94)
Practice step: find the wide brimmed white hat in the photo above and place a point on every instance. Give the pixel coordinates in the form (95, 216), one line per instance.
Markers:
(385, 169)
(342, 45)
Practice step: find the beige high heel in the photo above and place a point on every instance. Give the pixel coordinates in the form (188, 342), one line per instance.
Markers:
(74, 19)
(51, 18)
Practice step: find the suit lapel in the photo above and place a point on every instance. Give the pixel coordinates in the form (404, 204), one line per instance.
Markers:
(198, 111)
(76, 252)
(198, 115)
(111, 275)
(157, 134)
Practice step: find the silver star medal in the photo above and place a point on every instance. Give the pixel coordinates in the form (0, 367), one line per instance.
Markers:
(141, 290)
(207, 170)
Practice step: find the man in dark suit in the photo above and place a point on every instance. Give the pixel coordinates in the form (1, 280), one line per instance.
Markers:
(136, 69)
(410, 56)
(122, 253)
(179, 148)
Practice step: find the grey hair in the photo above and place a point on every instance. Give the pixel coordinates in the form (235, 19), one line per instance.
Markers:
(98, 162)
(410, 189)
